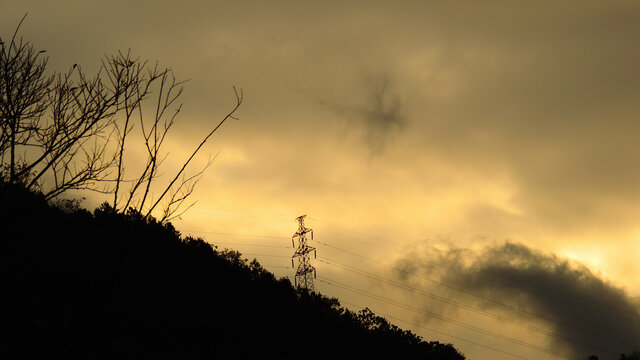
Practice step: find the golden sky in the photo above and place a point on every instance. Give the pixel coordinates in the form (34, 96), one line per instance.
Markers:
(407, 131)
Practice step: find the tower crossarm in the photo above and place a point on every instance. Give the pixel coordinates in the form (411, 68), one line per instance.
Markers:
(302, 251)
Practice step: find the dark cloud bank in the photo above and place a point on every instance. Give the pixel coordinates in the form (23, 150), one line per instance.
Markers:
(586, 314)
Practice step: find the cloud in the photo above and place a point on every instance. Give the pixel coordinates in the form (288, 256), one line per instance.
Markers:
(380, 115)
(585, 313)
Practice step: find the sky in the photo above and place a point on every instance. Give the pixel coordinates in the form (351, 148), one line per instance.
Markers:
(481, 157)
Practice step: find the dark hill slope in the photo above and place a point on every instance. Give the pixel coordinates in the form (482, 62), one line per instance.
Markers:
(105, 285)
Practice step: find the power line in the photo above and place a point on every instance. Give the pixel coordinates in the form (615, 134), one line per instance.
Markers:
(443, 284)
(440, 332)
(271, 255)
(606, 307)
(275, 266)
(234, 212)
(437, 316)
(260, 245)
(460, 305)
(443, 318)
(546, 318)
(236, 234)
(360, 233)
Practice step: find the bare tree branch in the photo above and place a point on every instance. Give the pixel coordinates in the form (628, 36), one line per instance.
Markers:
(239, 99)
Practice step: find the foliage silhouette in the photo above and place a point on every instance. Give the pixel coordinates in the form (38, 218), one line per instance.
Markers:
(112, 285)
(633, 356)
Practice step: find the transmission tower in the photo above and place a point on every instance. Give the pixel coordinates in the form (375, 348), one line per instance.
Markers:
(305, 273)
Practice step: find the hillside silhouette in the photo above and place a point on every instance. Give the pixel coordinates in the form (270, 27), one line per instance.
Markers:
(111, 285)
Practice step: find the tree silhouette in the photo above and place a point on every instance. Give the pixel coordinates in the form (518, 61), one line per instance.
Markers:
(70, 131)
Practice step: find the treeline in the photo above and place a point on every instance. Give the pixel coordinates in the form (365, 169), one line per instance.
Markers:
(112, 285)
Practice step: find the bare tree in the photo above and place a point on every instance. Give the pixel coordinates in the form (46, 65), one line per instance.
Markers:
(24, 96)
(143, 81)
(68, 131)
(52, 127)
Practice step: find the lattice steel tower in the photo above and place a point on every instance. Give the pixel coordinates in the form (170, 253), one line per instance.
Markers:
(305, 273)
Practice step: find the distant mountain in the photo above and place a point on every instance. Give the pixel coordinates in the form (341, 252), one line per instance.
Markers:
(87, 285)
